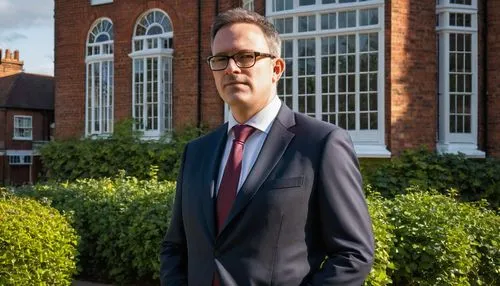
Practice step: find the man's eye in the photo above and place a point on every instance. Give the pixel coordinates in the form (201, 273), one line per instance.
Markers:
(244, 57)
(218, 59)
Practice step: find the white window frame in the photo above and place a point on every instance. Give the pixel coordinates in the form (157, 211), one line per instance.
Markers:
(449, 142)
(16, 135)
(21, 157)
(104, 100)
(367, 143)
(100, 2)
(164, 57)
(248, 4)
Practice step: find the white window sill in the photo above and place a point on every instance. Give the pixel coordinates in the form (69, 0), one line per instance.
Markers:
(371, 151)
(468, 149)
(19, 152)
(100, 2)
(23, 138)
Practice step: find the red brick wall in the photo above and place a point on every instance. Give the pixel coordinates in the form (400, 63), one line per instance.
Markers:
(412, 74)
(410, 67)
(3, 130)
(40, 120)
(73, 21)
(3, 170)
(493, 74)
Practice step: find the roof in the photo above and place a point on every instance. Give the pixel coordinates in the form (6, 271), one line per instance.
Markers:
(27, 91)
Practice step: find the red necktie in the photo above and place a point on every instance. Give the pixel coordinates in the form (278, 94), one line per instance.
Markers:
(231, 176)
(230, 179)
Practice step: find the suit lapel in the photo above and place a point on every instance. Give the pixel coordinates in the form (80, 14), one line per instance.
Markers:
(273, 149)
(214, 153)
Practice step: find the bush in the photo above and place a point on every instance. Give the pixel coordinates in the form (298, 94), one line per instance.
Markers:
(121, 222)
(442, 242)
(124, 150)
(475, 179)
(383, 232)
(37, 244)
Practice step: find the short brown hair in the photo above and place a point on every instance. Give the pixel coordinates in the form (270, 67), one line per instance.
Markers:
(240, 15)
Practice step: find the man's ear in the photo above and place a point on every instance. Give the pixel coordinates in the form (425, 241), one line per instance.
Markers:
(278, 69)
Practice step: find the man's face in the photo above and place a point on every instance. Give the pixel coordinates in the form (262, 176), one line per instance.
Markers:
(244, 89)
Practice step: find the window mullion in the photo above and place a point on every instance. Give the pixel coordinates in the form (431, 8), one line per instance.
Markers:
(318, 91)
(357, 116)
(99, 98)
(145, 94)
(92, 100)
(159, 93)
(295, 75)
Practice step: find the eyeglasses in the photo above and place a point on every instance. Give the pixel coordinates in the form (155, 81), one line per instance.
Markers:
(243, 59)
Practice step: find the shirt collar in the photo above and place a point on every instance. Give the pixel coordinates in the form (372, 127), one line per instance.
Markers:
(262, 120)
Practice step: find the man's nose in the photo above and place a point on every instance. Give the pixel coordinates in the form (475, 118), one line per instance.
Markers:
(232, 67)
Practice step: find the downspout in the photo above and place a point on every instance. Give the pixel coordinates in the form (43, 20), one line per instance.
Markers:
(198, 124)
(485, 74)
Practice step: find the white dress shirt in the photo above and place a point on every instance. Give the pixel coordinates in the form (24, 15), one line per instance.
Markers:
(262, 122)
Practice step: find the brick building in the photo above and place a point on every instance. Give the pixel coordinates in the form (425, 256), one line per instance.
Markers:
(26, 113)
(396, 74)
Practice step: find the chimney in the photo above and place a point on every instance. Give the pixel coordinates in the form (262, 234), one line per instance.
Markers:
(10, 63)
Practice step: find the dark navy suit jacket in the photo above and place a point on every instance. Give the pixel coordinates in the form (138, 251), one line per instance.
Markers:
(300, 217)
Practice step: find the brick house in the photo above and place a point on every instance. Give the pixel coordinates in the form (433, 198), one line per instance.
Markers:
(26, 113)
(396, 74)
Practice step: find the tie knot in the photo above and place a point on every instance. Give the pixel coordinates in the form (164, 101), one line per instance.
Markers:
(242, 132)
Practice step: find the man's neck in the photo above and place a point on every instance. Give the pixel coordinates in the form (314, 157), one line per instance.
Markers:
(242, 113)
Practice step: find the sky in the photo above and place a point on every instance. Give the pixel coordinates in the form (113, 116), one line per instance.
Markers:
(28, 26)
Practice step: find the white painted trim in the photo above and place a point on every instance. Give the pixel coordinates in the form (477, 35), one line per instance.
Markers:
(457, 142)
(469, 150)
(371, 151)
(14, 137)
(14, 152)
(100, 2)
(363, 138)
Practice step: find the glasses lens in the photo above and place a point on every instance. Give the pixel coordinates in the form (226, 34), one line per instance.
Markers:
(218, 63)
(245, 59)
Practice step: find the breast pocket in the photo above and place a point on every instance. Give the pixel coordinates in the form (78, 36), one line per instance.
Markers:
(284, 183)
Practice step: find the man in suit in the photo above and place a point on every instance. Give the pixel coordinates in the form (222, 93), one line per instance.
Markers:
(272, 197)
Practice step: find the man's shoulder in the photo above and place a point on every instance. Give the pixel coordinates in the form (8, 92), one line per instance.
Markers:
(307, 123)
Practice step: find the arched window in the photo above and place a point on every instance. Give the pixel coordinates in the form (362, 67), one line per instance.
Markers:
(99, 91)
(152, 74)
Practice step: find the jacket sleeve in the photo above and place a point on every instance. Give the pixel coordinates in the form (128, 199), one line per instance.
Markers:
(173, 251)
(345, 222)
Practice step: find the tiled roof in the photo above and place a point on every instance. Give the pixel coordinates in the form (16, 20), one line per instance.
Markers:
(28, 91)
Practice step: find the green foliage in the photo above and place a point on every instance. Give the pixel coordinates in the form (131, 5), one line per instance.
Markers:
(439, 241)
(121, 222)
(475, 179)
(124, 150)
(37, 244)
(383, 232)
(421, 238)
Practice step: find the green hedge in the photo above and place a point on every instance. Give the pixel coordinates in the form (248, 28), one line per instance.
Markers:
(384, 240)
(442, 242)
(121, 222)
(37, 244)
(124, 150)
(421, 238)
(475, 179)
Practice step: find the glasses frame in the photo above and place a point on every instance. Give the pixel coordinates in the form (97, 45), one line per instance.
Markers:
(256, 55)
